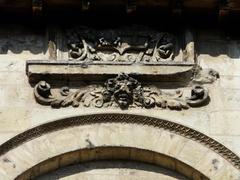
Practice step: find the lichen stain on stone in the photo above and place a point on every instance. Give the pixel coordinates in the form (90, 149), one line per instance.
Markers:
(171, 136)
(6, 160)
(215, 163)
(90, 144)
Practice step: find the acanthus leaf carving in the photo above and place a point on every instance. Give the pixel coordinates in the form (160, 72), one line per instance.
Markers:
(122, 91)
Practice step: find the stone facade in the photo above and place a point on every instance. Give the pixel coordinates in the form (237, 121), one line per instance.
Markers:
(34, 143)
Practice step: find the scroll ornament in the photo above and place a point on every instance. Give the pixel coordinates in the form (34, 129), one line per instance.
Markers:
(121, 46)
(122, 91)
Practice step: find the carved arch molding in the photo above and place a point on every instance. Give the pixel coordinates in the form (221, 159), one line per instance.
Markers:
(39, 140)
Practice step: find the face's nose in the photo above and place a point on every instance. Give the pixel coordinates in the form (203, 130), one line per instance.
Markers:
(125, 88)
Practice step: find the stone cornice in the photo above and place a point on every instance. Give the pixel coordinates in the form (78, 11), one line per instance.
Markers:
(177, 7)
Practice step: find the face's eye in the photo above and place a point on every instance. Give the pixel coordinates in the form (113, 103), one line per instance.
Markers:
(80, 45)
(130, 85)
(110, 81)
(117, 86)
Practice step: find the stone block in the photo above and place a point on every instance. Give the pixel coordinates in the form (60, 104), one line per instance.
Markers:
(170, 144)
(62, 140)
(184, 169)
(40, 147)
(230, 82)
(10, 65)
(50, 165)
(17, 96)
(210, 163)
(69, 159)
(223, 64)
(5, 136)
(227, 173)
(194, 118)
(231, 142)
(16, 78)
(230, 98)
(141, 155)
(225, 123)
(165, 162)
(192, 153)
(13, 119)
(17, 161)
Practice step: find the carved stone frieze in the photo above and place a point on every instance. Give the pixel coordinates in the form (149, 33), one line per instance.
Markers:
(122, 91)
(121, 45)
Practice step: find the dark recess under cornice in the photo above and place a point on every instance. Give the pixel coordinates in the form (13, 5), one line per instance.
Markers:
(100, 12)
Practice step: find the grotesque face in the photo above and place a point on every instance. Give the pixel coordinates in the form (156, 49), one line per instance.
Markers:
(122, 89)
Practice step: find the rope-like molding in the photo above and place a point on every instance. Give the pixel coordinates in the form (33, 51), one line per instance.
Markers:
(123, 118)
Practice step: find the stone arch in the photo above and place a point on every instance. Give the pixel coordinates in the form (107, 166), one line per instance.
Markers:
(187, 151)
(112, 153)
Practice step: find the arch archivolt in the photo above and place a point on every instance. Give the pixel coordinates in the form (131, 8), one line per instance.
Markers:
(115, 136)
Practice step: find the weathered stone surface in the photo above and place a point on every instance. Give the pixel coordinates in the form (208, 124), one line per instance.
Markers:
(211, 163)
(229, 141)
(223, 64)
(19, 112)
(14, 119)
(226, 173)
(224, 123)
(100, 71)
(230, 82)
(190, 154)
(118, 170)
(96, 138)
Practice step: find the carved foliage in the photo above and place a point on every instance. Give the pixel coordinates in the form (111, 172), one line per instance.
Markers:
(122, 91)
(121, 45)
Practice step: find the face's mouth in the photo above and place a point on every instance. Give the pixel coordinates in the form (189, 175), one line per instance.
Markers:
(123, 97)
